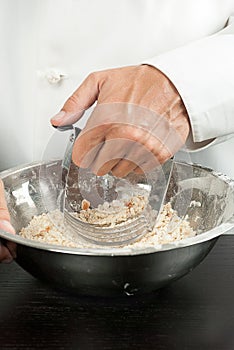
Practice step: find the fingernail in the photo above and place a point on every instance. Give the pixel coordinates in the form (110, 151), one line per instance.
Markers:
(58, 116)
(65, 118)
(6, 226)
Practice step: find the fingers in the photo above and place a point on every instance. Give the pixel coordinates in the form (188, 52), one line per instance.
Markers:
(121, 156)
(104, 140)
(108, 156)
(151, 163)
(140, 160)
(4, 214)
(78, 102)
(5, 255)
(87, 146)
(106, 167)
(124, 148)
(123, 168)
(137, 154)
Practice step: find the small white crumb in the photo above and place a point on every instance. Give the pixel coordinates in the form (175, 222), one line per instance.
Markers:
(194, 204)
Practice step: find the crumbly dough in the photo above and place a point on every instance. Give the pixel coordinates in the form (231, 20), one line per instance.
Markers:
(50, 227)
(113, 213)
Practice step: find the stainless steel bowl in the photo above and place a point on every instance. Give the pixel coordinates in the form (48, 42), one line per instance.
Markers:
(206, 197)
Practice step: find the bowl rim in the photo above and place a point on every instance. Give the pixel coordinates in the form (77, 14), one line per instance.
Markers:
(121, 251)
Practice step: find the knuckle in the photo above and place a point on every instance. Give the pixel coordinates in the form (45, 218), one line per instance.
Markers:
(5, 254)
(73, 101)
(164, 155)
(132, 132)
(92, 77)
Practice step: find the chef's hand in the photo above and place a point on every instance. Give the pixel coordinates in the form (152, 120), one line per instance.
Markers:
(5, 225)
(139, 121)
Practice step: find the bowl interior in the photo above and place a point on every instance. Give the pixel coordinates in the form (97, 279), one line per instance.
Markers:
(206, 198)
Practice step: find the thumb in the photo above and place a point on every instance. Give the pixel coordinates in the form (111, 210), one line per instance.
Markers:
(4, 214)
(78, 102)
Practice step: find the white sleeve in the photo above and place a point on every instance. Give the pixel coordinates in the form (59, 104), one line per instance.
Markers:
(203, 73)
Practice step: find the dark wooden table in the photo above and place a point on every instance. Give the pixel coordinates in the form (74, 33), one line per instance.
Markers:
(195, 312)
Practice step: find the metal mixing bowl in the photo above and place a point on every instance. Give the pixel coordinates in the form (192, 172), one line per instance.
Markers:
(206, 197)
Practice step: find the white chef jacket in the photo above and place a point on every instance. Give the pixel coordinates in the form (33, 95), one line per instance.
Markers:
(49, 46)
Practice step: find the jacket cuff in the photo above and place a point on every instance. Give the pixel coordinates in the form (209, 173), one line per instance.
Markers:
(203, 74)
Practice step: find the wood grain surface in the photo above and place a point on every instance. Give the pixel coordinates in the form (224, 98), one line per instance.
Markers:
(196, 312)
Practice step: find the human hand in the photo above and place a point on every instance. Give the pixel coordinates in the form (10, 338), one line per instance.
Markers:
(139, 121)
(5, 225)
